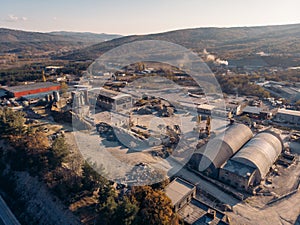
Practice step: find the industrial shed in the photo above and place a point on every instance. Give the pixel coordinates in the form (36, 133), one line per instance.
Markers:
(112, 100)
(180, 192)
(288, 116)
(260, 152)
(218, 150)
(34, 89)
(238, 175)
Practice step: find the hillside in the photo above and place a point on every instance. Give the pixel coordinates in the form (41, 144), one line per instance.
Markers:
(17, 41)
(86, 36)
(229, 43)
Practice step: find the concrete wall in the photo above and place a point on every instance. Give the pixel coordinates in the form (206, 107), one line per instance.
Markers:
(119, 104)
(185, 200)
(288, 118)
(239, 182)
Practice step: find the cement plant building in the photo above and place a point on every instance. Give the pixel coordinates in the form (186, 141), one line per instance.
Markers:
(237, 158)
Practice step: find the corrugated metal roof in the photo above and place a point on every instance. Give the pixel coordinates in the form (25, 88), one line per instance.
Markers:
(29, 87)
(260, 152)
(289, 112)
(252, 110)
(219, 149)
(111, 94)
(206, 107)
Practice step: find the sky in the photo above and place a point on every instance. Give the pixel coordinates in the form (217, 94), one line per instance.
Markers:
(128, 17)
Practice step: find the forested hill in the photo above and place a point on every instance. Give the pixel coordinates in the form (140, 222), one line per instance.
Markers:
(230, 43)
(18, 41)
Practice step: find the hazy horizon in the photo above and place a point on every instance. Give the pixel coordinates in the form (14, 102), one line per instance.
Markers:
(143, 17)
(186, 28)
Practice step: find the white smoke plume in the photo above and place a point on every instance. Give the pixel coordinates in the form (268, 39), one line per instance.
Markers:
(222, 62)
(211, 57)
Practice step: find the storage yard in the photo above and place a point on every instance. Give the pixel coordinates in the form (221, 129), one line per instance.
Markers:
(240, 159)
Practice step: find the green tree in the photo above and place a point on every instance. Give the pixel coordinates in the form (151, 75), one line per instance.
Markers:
(12, 122)
(125, 212)
(64, 87)
(36, 147)
(59, 151)
(36, 143)
(155, 207)
(91, 179)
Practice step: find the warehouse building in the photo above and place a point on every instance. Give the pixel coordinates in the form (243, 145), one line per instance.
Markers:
(260, 153)
(237, 174)
(237, 158)
(31, 91)
(193, 211)
(206, 110)
(112, 100)
(288, 116)
(256, 112)
(197, 212)
(217, 151)
(250, 165)
(180, 192)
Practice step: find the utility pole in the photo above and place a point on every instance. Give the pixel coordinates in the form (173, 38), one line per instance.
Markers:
(43, 76)
(208, 125)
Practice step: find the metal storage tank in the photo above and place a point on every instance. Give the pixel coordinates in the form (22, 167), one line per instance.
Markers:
(218, 150)
(261, 152)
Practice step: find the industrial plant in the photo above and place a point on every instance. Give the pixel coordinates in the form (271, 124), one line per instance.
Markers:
(238, 158)
(244, 151)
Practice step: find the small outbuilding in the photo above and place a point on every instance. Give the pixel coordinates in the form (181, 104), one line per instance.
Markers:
(113, 100)
(180, 192)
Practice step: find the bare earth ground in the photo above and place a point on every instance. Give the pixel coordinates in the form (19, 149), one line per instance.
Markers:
(255, 211)
(118, 160)
(283, 212)
(251, 211)
(41, 204)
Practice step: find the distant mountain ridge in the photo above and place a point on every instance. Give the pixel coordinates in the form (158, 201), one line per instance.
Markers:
(18, 41)
(251, 46)
(9, 35)
(234, 42)
(86, 36)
